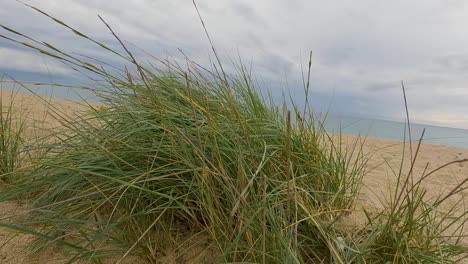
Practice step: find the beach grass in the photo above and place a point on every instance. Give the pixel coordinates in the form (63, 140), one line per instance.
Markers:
(180, 157)
(12, 128)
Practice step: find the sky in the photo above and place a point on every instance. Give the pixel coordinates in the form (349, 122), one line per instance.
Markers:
(362, 49)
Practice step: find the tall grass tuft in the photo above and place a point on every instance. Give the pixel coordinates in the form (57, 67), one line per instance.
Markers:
(187, 154)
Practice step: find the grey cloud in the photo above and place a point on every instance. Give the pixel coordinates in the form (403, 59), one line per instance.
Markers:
(248, 13)
(454, 63)
(275, 63)
(255, 41)
(381, 86)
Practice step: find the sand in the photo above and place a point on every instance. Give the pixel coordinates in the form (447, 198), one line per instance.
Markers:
(386, 157)
(382, 168)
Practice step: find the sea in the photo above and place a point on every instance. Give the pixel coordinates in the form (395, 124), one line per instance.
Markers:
(437, 135)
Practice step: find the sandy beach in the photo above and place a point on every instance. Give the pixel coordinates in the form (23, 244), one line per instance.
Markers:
(386, 158)
(382, 168)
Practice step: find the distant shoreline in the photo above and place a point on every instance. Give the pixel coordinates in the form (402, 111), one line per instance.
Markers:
(392, 130)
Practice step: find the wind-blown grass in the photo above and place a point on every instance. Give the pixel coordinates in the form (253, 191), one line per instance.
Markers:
(195, 149)
(11, 141)
(193, 154)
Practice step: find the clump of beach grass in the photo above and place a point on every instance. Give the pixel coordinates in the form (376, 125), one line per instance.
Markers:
(183, 152)
(178, 155)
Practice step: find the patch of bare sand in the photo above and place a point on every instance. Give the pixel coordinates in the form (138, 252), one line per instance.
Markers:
(41, 114)
(386, 159)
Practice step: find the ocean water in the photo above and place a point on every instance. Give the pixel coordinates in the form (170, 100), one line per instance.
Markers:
(454, 137)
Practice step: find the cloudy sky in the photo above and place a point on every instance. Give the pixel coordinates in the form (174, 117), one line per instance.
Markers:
(362, 49)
